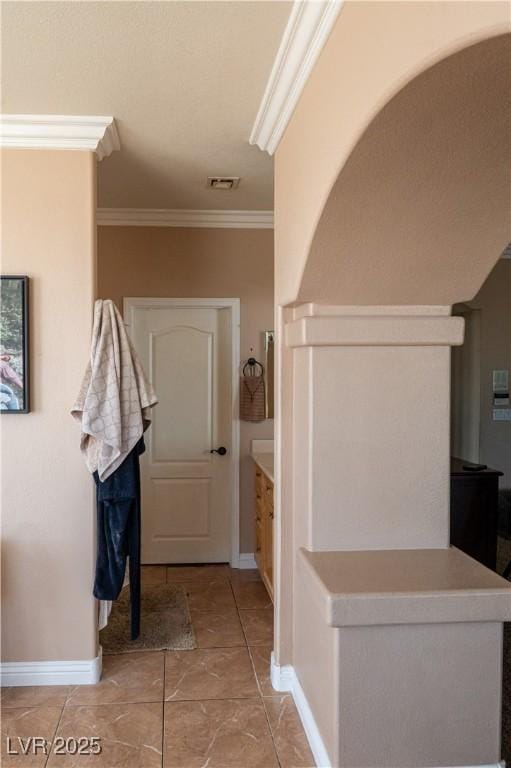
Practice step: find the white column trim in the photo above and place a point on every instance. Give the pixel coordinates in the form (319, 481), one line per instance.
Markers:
(363, 331)
(342, 310)
(306, 32)
(79, 132)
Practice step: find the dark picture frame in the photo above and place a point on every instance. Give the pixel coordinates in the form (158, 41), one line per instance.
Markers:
(14, 345)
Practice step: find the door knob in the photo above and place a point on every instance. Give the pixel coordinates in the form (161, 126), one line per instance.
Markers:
(221, 451)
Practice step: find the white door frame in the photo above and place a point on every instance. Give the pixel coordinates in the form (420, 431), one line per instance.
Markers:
(131, 303)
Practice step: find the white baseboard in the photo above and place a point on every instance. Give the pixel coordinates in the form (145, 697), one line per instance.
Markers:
(310, 727)
(18, 673)
(283, 678)
(247, 560)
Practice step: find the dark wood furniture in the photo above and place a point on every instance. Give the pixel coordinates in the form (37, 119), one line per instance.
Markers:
(474, 511)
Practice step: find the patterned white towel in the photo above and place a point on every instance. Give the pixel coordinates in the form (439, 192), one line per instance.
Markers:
(115, 399)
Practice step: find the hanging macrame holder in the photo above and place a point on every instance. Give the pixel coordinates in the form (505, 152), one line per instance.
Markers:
(252, 392)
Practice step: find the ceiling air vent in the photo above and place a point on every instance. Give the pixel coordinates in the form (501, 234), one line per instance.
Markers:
(506, 253)
(223, 182)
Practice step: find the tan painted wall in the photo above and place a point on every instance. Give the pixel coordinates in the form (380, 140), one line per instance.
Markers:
(430, 701)
(494, 301)
(411, 166)
(374, 455)
(371, 472)
(393, 219)
(48, 233)
(199, 263)
(386, 44)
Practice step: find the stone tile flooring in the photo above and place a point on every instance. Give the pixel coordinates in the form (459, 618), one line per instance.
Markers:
(213, 707)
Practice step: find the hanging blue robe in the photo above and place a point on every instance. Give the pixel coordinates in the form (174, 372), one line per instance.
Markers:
(118, 535)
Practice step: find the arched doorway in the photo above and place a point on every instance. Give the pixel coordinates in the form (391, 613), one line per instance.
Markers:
(412, 224)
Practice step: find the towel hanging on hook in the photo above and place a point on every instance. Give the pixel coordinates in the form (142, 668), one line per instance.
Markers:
(252, 392)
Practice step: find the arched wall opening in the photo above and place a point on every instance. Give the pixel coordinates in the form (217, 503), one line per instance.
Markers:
(374, 50)
(421, 210)
(414, 222)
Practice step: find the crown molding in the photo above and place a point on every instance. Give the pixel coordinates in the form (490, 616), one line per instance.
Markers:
(167, 217)
(306, 32)
(84, 132)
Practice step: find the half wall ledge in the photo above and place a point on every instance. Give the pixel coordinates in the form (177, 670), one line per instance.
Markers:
(419, 586)
(399, 656)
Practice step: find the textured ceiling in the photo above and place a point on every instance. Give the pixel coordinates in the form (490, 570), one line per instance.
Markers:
(183, 80)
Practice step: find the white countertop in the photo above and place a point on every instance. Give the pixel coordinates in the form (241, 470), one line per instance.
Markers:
(266, 462)
(263, 455)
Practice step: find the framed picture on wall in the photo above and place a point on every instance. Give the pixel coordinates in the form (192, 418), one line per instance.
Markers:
(14, 376)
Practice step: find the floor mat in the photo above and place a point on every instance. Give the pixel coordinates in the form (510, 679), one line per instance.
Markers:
(165, 622)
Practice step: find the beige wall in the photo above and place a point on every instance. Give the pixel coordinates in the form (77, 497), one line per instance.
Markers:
(384, 201)
(333, 112)
(199, 263)
(333, 248)
(48, 233)
(419, 178)
(335, 109)
(494, 301)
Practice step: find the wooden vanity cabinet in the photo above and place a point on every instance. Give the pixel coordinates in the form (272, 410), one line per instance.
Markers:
(264, 527)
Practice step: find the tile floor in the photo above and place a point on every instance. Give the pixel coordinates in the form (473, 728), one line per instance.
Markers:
(213, 707)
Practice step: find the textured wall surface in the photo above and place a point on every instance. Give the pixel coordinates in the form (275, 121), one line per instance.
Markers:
(199, 263)
(48, 233)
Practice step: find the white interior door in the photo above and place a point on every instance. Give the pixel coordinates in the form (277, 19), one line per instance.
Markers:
(186, 489)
